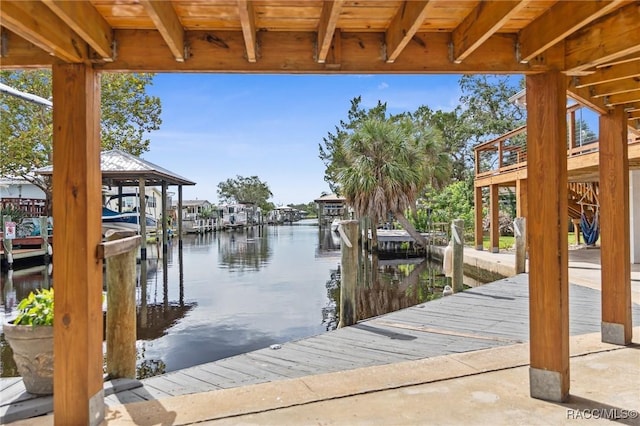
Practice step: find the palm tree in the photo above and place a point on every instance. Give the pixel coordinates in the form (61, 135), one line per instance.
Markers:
(387, 162)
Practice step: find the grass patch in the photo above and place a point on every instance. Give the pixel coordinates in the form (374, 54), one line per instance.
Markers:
(507, 242)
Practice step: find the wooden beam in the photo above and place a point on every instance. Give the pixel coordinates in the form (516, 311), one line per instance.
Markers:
(478, 217)
(166, 20)
(633, 115)
(37, 24)
(561, 20)
(404, 25)
(327, 27)
(623, 98)
(583, 95)
(605, 40)
(616, 87)
(615, 228)
(116, 247)
(547, 232)
(290, 52)
(248, 24)
(85, 20)
(78, 392)
(16, 52)
(608, 74)
(494, 219)
(485, 20)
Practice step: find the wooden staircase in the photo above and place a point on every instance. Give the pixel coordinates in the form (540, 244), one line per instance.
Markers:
(583, 197)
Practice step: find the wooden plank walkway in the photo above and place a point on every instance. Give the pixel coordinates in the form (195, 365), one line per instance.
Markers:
(491, 315)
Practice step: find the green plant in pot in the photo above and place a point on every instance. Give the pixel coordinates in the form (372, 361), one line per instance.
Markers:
(30, 336)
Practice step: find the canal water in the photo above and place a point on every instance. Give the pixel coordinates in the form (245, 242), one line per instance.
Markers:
(229, 293)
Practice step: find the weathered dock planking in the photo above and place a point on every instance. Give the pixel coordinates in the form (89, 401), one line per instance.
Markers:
(496, 314)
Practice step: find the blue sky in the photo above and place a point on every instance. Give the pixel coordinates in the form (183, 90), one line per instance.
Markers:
(217, 126)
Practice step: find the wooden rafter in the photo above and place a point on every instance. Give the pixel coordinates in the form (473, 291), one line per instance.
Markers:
(37, 24)
(623, 98)
(616, 87)
(403, 27)
(248, 24)
(583, 96)
(168, 24)
(485, 20)
(327, 27)
(609, 38)
(612, 73)
(560, 21)
(85, 20)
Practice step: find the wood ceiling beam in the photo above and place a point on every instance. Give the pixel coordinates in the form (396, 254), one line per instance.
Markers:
(37, 24)
(85, 20)
(327, 27)
(616, 87)
(583, 96)
(166, 20)
(605, 40)
(404, 25)
(634, 115)
(623, 98)
(484, 21)
(288, 52)
(18, 53)
(248, 24)
(561, 20)
(609, 74)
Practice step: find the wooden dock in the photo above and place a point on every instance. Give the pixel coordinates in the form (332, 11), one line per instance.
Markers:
(491, 315)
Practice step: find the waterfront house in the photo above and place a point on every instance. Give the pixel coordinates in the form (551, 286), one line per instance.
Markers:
(21, 194)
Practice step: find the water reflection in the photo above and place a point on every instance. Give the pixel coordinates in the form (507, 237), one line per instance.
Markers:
(233, 292)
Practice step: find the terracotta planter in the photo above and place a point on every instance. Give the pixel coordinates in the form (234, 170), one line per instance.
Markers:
(33, 353)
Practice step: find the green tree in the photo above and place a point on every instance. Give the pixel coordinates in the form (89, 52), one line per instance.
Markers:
(250, 190)
(127, 113)
(385, 163)
(332, 147)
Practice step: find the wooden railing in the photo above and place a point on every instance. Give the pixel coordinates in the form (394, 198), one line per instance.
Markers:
(508, 152)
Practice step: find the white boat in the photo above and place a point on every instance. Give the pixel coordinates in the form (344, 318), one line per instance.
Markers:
(126, 220)
(129, 221)
(335, 224)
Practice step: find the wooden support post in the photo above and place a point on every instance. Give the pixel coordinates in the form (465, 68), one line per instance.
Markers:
(179, 216)
(576, 230)
(143, 218)
(615, 228)
(548, 247)
(121, 311)
(478, 229)
(520, 231)
(522, 207)
(349, 248)
(163, 216)
(78, 397)
(494, 227)
(8, 243)
(457, 236)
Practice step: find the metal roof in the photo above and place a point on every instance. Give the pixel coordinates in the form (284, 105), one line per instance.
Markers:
(120, 168)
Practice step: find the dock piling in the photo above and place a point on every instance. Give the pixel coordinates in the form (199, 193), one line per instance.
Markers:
(520, 232)
(457, 236)
(121, 311)
(349, 249)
